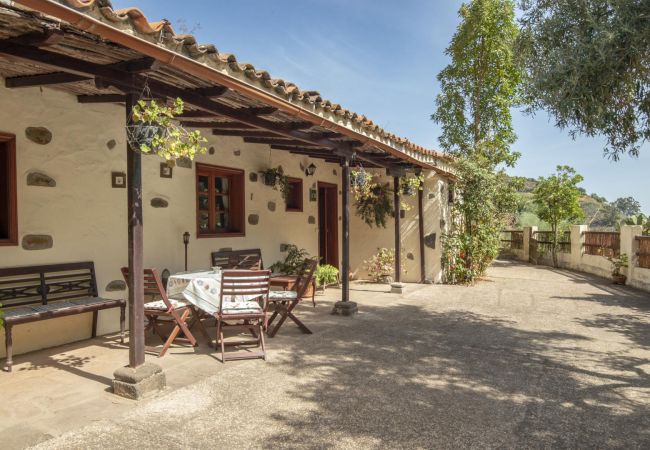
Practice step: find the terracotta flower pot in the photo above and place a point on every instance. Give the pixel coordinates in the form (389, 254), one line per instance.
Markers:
(619, 279)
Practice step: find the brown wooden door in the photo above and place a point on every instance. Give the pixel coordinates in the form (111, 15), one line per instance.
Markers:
(328, 224)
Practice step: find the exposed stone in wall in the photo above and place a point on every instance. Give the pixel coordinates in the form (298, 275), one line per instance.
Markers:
(158, 202)
(211, 150)
(430, 240)
(40, 135)
(311, 220)
(271, 206)
(111, 144)
(236, 152)
(37, 242)
(410, 256)
(334, 172)
(185, 163)
(40, 179)
(402, 213)
(284, 247)
(116, 285)
(253, 219)
(432, 195)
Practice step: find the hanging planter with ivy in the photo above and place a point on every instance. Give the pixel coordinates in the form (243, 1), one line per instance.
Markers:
(153, 131)
(274, 177)
(372, 199)
(411, 184)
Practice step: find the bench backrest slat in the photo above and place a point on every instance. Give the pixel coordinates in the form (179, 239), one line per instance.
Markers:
(249, 259)
(29, 285)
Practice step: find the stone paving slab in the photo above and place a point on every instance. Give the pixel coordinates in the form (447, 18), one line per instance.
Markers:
(530, 357)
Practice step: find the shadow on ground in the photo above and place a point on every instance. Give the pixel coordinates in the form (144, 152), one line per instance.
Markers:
(407, 377)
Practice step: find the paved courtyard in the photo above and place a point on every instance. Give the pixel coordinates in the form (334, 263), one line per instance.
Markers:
(530, 357)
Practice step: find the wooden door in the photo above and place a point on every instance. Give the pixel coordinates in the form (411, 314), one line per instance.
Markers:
(328, 224)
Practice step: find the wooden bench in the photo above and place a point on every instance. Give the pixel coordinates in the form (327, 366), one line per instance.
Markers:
(34, 293)
(250, 259)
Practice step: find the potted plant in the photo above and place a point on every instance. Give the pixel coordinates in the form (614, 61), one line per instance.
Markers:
(381, 266)
(152, 130)
(359, 178)
(326, 275)
(617, 264)
(292, 262)
(411, 184)
(275, 178)
(376, 205)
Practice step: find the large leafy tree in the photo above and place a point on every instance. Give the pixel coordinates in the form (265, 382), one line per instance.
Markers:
(480, 85)
(587, 63)
(557, 198)
(478, 89)
(628, 206)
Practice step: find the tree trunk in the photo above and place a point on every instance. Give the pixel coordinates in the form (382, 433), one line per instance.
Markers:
(554, 246)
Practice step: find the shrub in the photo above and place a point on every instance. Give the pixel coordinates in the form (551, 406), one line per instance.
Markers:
(293, 261)
(381, 265)
(326, 274)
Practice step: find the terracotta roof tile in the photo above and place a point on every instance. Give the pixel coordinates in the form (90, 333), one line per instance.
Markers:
(134, 20)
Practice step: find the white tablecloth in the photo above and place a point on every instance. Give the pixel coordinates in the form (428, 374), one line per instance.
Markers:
(203, 289)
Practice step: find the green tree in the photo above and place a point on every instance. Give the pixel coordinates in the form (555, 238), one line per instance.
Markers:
(587, 63)
(478, 89)
(480, 86)
(628, 206)
(557, 200)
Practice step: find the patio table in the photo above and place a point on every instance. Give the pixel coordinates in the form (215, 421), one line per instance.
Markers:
(202, 289)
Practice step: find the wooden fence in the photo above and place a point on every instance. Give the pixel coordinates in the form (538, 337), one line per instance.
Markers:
(602, 243)
(544, 241)
(512, 239)
(643, 255)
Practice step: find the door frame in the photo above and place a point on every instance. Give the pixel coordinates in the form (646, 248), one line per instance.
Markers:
(332, 187)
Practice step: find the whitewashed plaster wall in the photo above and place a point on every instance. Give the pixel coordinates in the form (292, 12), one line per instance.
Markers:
(87, 217)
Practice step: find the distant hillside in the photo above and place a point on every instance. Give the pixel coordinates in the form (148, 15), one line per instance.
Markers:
(599, 213)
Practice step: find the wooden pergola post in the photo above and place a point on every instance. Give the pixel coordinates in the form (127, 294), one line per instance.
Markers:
(398, 237)
(135, 252)
(423, 272)
(137, 379)
(345, 200)
(345, 307)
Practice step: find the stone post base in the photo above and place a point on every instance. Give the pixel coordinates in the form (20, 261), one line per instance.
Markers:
(137, 383)
(397, 288)
(345, 308)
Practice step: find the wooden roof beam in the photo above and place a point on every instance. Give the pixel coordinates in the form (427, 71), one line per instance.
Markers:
(259, 110)
(297, 148)
(245, 133)
(102, 98)
(119, 78)
(44, 79)
(280, 140)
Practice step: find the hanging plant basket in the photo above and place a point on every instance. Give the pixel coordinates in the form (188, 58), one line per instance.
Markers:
(274, 177)
(153, 131)
(269, 178)
(408, 190)
(360, 178)
(143, 134)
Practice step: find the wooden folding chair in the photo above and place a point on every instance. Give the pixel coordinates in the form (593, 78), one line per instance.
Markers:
(163, 312)
(241, 294)
(286, 301)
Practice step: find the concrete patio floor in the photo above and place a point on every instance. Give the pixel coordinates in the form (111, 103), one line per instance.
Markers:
(530, 357)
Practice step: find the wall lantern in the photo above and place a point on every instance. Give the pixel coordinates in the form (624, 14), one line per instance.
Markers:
(186, 241)
(310, 170)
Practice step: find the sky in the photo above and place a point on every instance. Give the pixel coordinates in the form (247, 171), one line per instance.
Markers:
(380, 58)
